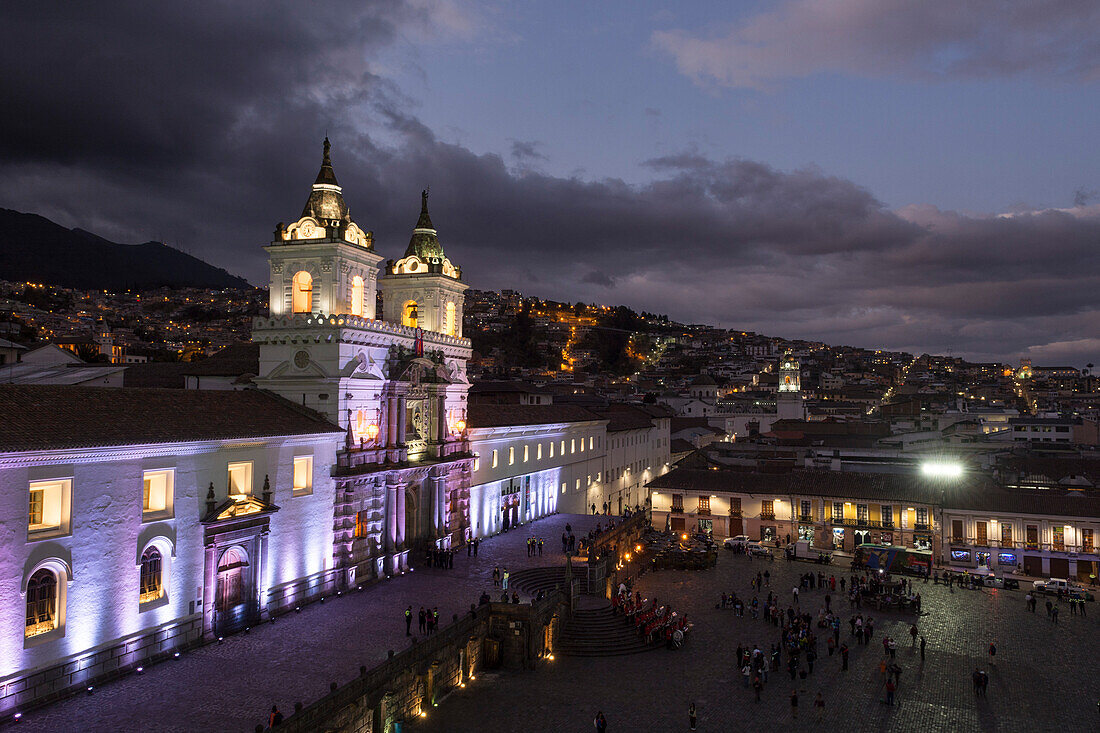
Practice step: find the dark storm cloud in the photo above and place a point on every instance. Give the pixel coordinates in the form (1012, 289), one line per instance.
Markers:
(201, 125)
(599, 277)
(526, 151)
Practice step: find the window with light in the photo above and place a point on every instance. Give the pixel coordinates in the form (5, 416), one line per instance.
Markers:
(303, 475)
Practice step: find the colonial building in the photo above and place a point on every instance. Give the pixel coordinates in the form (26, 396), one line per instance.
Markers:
(397, 385)
(833, 509)
(1043, 532)
(137, 521)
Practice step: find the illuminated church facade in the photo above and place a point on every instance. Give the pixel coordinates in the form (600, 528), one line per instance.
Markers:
(394, 381)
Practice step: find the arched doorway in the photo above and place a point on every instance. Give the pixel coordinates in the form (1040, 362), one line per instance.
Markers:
(232, 599)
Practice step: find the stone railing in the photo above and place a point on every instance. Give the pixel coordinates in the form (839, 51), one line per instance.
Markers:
(411, 682)
(299, 321)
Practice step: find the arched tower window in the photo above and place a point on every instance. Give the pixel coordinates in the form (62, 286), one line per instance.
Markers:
(301, 298)
(449, 326)
(151, 564)
(356, 296)
(41, 603)
(409, 315)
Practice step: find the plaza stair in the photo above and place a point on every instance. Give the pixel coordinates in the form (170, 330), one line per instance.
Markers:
(599, 632)
(530, 581)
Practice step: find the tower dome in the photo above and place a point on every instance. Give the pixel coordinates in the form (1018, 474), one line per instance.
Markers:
(424, 243)
(326, 199)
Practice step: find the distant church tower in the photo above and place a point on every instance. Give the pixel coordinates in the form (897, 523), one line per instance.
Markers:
(423, 289)
(788, 403)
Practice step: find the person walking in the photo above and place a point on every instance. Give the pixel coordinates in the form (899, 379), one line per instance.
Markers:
(600, 722)
(540, 546)
(913, 634)
(477, 544)
(993, 653)
(890, 687)
(504, 581)
(1054, 614)
(496, 576)
(922, 647)
(422, 621)
(276, 717)
(757, 686)
(408, 621)
(691, 716)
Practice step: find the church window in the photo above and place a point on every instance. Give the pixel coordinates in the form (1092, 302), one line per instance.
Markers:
(449, 326)
(151, 587)
(495, 454)
(538, 452)
(362, 519)
(572, 446)
(41, 603)
(240, 479)
(511, 455)
(357, 296)
(156, 493)
(525, 453)
(409, 315)
(303, 475)
(551, 449)
(302, 293)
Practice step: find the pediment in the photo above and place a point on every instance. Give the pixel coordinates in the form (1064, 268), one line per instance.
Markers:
(247, 507)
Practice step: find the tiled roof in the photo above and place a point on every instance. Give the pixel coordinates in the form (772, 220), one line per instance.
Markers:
(39, 417)
(496, 416)
(872, 486)
(1031, 501)
(627, 417)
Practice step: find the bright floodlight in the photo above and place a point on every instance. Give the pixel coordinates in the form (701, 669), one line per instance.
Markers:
(941, 470)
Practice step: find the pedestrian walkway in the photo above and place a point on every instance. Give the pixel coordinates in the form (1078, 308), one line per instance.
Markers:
(230, 686)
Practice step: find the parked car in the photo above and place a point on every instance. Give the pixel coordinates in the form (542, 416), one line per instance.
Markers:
(1052, 586)
(733, 543)
(1077, 592)
(991, 581)
(755, 548)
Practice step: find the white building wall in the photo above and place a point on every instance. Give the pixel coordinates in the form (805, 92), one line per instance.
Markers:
(574, 469)
(107, 535)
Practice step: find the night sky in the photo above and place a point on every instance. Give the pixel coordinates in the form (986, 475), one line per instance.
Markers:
(882, 173)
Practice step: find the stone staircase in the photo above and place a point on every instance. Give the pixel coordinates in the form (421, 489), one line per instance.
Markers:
(530, 581)
(598, 632)
(594, 630)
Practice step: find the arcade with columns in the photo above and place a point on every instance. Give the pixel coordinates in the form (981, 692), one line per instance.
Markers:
(396, 384)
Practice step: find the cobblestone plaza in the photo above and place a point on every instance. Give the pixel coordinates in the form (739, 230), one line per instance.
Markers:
(1041, 679)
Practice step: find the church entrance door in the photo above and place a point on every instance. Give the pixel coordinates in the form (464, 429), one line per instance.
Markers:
(234, 606)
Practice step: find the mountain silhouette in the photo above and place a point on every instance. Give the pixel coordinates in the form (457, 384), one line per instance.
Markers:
(35, 249)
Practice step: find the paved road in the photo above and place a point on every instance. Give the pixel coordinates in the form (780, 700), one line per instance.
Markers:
(231, 686)
(1043, 678)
